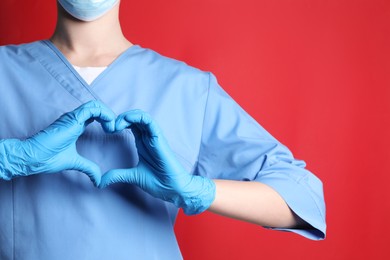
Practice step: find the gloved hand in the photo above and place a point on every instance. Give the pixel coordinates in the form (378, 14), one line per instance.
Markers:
(158, 172)
(54, 149)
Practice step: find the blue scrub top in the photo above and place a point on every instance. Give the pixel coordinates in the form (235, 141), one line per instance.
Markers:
(63, 216)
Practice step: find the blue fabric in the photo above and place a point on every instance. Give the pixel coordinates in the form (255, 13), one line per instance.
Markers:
(63, 216)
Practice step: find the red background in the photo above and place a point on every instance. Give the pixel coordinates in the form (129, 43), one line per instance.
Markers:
(315, 73)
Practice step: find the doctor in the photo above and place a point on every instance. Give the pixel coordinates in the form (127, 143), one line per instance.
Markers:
(165, 134)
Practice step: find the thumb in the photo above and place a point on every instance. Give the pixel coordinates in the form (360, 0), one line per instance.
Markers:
(119, 175)
(89, 168)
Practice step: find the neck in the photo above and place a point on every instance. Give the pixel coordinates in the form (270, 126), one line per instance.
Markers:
(91, 44)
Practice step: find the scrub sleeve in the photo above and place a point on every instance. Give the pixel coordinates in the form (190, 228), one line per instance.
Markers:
(235, 147)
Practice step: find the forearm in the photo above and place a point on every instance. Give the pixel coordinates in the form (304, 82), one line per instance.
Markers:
(253, 202)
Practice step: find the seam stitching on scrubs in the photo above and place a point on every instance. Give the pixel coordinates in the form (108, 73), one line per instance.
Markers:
(50, 71)
(203, 121)
(307, 189)
(61, 82)
(120, 59)
(310, 191)
(62, 58)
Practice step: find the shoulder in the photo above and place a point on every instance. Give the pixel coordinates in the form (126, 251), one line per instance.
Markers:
(14, 52)
(8, 51)
(15, 49)
(165, 66)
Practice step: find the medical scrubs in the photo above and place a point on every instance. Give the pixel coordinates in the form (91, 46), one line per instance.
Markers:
(63, 216)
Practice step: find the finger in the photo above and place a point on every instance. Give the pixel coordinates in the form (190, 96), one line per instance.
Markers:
(121, 123)
(108, 127)
(119, 176)
(94, 109)
(89, 168)
(97, 111)
(143, 121)
(136, 132)
(145, 131)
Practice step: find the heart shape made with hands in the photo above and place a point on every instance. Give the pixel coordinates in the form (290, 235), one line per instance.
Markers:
(157, 170)
(118, 141)
(135, 133)
(116, 150)
(153, 166)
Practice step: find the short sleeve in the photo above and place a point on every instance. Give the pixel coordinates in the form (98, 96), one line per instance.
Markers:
(235, 147)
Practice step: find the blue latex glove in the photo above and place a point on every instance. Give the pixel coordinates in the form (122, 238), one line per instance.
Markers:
(158, 172)
(54, 149)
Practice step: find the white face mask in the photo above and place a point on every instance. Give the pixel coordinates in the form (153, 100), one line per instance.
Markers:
(87, 10)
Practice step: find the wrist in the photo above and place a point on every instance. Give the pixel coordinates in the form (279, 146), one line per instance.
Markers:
(198, 197)
(12, 162)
